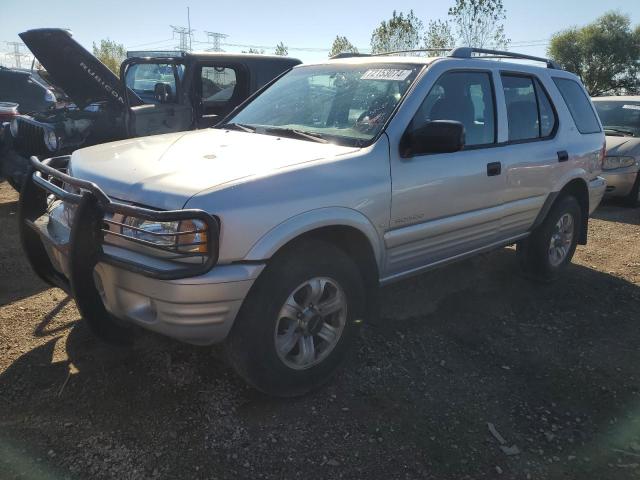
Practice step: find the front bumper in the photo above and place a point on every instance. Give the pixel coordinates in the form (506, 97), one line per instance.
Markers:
(196, 303)
(620, 181)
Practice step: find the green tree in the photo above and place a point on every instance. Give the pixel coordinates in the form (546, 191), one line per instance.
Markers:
(605, 54)
(110, 53)
(282, 50)
(400, 32)
(480, 23)
(342, 45)
(439, 35)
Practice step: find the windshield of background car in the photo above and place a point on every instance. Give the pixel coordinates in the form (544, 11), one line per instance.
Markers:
(620, 115)
(344, 104)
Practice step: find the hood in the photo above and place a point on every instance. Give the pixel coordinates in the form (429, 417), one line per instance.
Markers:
(623, 146)
(165, 171)
(81, 75)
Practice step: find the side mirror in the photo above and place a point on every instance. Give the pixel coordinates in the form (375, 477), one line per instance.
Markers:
(439, 136)
(162, 92)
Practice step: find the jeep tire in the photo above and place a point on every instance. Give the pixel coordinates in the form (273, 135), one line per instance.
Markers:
(299, 320)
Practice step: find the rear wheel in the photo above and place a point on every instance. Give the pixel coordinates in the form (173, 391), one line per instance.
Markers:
(299, 320)
(551, 246)
(633, 199)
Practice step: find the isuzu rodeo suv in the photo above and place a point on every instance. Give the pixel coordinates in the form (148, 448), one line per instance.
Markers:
(272, 231)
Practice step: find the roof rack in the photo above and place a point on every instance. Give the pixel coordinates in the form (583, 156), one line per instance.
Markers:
(460, 52)
(416, 50)
(348, 55)
(467, 52)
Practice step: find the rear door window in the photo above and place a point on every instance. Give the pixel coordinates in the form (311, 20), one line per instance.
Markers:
(218, 85)
(465, 97)
(579, 105)
(529, 110)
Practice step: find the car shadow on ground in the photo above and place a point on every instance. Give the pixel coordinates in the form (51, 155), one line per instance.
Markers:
(552, 366)
(17, 280)
(613, 210)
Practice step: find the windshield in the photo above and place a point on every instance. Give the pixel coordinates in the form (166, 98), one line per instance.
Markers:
(344, 104)
(620, 116)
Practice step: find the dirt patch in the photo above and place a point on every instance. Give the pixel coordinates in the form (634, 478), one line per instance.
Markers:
(554, 369)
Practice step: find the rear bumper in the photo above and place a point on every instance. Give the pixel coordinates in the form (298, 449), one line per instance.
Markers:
(620, 181)
(597, 187)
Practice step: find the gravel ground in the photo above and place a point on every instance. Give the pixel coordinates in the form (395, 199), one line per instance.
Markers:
(470, 372)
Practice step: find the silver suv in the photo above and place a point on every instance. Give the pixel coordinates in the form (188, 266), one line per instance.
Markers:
(272, 231)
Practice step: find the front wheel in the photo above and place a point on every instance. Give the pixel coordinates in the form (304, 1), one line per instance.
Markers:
(299, 320)
(551, 246)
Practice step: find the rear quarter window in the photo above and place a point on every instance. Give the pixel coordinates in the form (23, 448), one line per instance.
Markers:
(579, 105)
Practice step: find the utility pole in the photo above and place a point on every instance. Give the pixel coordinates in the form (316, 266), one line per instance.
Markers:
(189, 26)
(215, 38)
(17, 53)
(185, 38)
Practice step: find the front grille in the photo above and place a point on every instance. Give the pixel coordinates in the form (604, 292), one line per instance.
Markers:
(30, 140)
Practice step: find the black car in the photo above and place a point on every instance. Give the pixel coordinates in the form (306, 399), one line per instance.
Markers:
(31, 90)
(153, 95)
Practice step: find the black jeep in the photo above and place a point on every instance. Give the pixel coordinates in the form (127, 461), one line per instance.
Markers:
(154, 95)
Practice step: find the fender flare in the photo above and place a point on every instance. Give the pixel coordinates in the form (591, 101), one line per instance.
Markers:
(305, 222)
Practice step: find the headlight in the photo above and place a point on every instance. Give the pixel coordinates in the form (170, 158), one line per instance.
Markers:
(13, 127)
(611, 163)
(49, 96)
(51, 140)
(187, 236)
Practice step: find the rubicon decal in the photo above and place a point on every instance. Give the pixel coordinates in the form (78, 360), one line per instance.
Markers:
(108, 88)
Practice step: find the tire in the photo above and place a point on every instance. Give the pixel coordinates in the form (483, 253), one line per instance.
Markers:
(264, 320)
(632, 199)
(14, 184)
(535, 254)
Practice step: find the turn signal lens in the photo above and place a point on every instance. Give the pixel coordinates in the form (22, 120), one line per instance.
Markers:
(193, 236)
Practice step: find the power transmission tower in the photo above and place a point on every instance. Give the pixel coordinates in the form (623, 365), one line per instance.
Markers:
(185, 37)
(17, 53)
(215, 38)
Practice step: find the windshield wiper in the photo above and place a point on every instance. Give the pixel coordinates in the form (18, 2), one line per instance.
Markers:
(619, 130)
(239, 126)
(314, 137)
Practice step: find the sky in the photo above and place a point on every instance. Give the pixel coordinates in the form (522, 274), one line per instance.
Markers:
(307, 28)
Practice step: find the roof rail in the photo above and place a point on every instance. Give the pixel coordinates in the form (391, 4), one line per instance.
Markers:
(416, 50)
(348, 55)
(467, 52)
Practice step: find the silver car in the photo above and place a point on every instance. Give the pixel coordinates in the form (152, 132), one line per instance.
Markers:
(272, 231)
(621, 169)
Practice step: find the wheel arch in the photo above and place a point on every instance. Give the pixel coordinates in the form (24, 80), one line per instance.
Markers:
(576, 187)
(346, 228)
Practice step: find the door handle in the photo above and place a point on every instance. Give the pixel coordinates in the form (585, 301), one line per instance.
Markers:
(494, 169)
(563, 156)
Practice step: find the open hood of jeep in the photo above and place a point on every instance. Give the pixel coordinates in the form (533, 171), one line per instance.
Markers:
(82, 76)
(165, 171)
